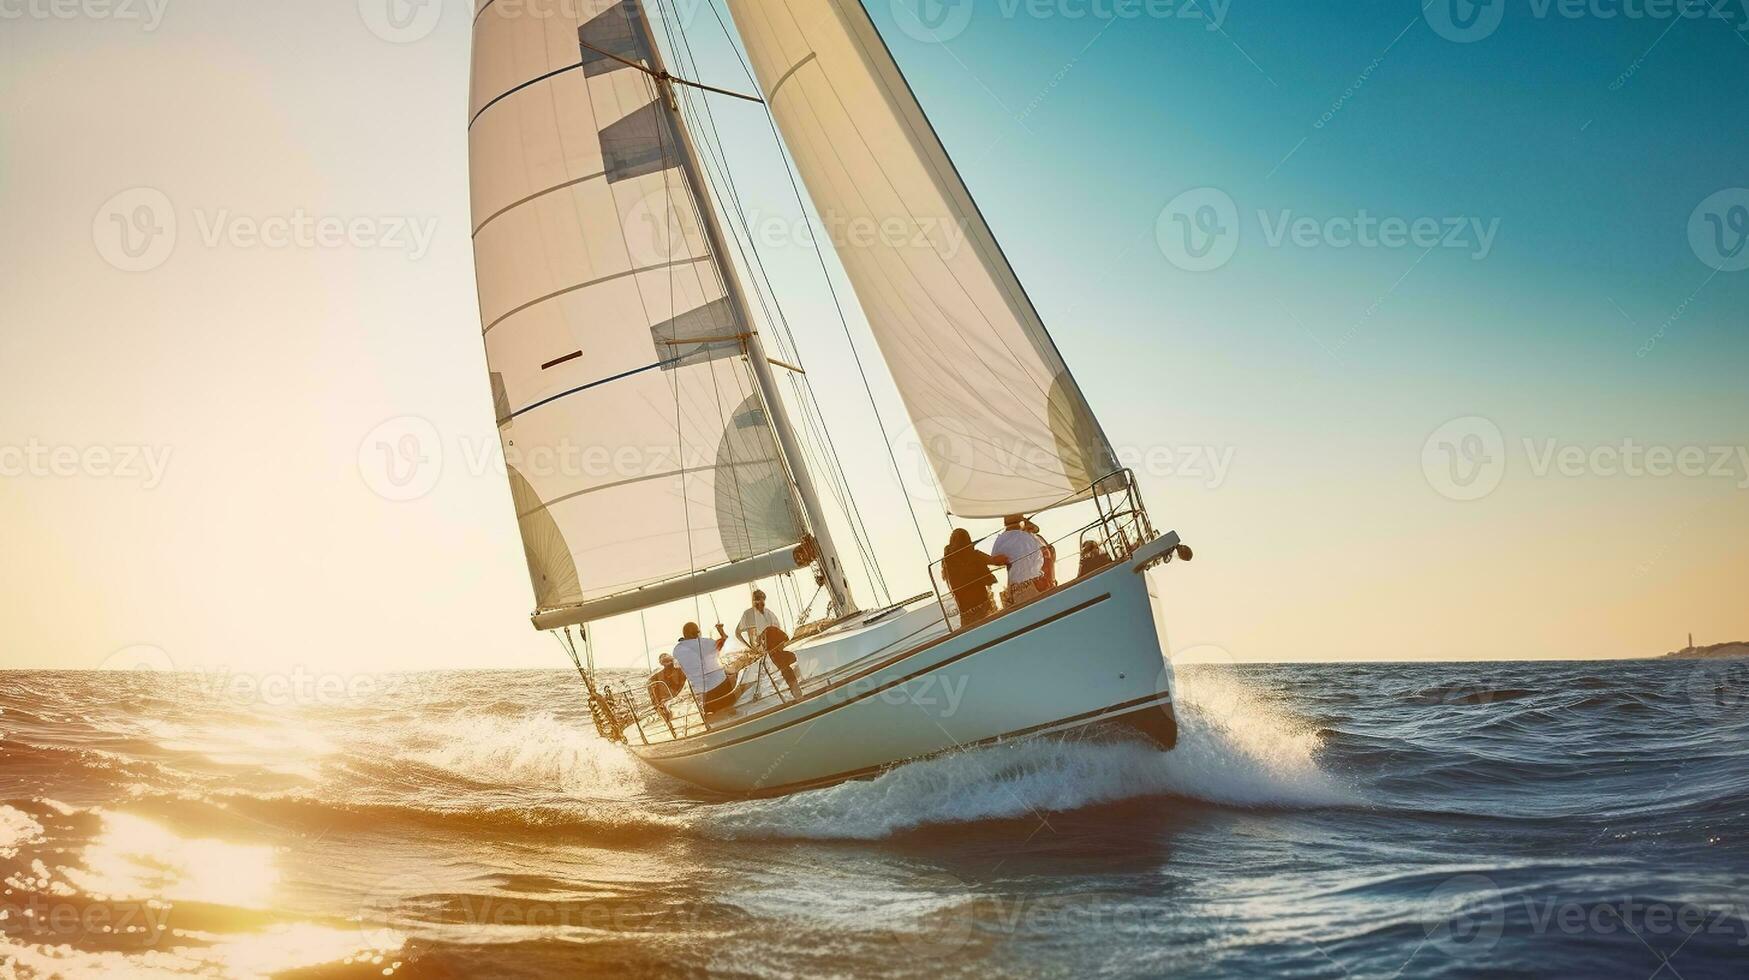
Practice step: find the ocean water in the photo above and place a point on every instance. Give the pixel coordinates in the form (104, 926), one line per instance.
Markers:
(1395, 820)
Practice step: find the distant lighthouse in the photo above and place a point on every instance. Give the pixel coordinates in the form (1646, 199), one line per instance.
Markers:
(1691, 641)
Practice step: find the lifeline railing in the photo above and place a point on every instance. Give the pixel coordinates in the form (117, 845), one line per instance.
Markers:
(1122, 526)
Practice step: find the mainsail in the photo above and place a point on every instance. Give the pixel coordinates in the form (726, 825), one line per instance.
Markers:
(1004, 425)
(643, 463)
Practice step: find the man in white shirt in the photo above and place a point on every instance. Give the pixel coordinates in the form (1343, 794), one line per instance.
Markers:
(755, 621)
(1025, 552)
(759, 629)
(697, 657)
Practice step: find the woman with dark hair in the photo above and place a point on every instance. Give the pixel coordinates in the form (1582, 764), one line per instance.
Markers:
(967, 571)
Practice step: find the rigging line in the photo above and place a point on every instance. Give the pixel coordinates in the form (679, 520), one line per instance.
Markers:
(789, 613)
(819, 255)
(941, 315)
(663, 76)
(674, 381)
(685, 498)
(1013, 275)
(716, 390)
(577, 206)
(775, 461)
(734, 452)
(804, 392)
(823, 458)
(847, 499)
(698, 206)
(717, 263)
(667, 178)
(793, 595)
(958, 331)
(1009, 286)
(837, 304)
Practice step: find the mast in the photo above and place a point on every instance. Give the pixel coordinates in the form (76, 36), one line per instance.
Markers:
(765, 378)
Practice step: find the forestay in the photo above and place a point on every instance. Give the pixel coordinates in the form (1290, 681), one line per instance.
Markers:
(640, 453)
(1003, 424)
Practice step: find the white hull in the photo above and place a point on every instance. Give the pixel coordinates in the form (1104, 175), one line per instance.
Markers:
(904, 689)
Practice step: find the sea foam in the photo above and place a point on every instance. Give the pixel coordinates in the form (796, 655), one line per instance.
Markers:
(17, 828)
(1234, 749)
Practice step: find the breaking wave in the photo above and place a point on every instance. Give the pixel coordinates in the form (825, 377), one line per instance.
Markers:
(1235, 748)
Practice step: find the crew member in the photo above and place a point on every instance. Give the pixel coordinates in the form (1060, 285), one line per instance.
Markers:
(697, 657)
(1025, 553)
(760, 630)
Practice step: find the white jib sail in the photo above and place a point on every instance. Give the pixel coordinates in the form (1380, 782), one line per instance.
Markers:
(640, 454)
(1004, 425)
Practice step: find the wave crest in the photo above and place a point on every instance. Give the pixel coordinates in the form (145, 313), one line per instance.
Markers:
(1235, 748)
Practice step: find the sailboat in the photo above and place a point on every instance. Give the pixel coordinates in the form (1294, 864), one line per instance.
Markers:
(654, 458)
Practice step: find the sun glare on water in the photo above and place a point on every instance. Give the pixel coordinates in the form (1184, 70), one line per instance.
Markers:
(203, 906)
